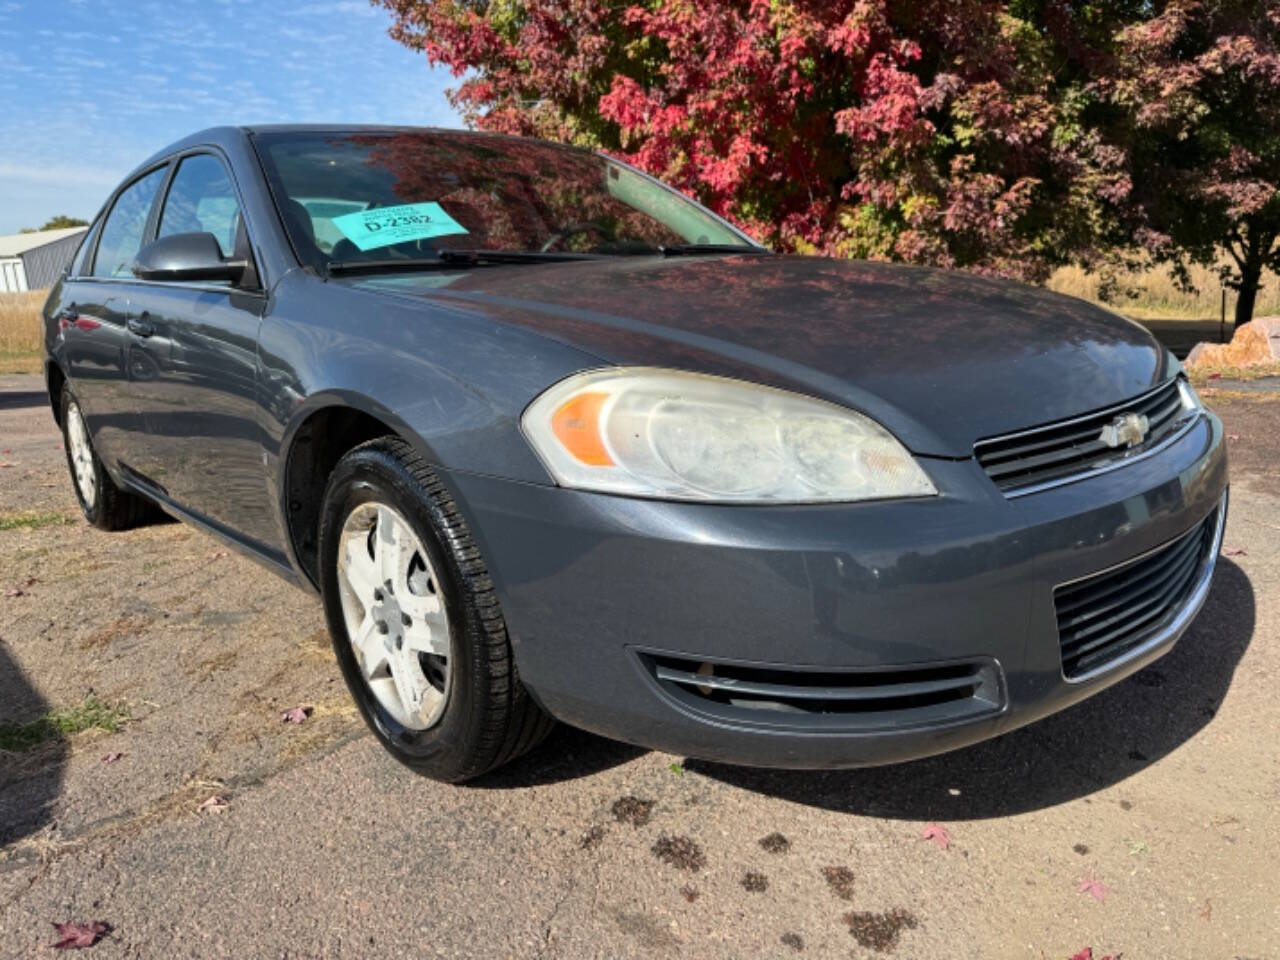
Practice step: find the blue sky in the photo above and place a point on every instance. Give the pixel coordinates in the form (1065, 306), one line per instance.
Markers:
(90, 88)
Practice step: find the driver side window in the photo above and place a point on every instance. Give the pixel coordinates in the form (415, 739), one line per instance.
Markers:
(202, 200)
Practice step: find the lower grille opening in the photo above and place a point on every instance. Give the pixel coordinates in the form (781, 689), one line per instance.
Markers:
(850, 698)
(1103, 617)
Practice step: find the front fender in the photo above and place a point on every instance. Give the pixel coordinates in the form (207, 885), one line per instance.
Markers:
(446, 378)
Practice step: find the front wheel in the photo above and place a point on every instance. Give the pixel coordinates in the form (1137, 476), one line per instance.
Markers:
(415, 623)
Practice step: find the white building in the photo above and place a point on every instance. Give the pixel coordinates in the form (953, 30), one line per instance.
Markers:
(33, 261)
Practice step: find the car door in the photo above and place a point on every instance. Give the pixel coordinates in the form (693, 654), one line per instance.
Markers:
(194, 365)
(93, 320)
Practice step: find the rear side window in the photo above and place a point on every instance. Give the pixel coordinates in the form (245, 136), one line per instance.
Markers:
(82, 252)
(123, 230)
(201, 200)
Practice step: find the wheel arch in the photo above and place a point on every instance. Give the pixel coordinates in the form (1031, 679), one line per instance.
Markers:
(55, 380)
(322, 433)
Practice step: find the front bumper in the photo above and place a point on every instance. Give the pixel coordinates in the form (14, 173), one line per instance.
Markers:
(599, 592)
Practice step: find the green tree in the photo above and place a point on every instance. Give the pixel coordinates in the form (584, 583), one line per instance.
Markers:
(59, 222)
(1199, 87)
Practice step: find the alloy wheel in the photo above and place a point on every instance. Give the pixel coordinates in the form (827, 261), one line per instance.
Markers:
(81, 455)
(395, 615)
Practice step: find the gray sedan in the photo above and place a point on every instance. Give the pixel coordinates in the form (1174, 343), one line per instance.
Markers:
(550, 440)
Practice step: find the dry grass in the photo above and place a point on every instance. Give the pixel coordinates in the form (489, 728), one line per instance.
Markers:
(1204, 377)
(1151, 294)
(21, 331)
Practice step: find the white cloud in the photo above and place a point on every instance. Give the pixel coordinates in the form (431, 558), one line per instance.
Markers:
(46, 173)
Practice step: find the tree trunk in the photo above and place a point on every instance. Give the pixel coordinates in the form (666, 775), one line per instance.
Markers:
(1250, 278)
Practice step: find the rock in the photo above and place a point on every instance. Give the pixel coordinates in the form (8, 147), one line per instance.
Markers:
(1255, 342)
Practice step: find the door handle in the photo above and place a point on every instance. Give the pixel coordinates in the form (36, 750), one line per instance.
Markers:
(140, 327)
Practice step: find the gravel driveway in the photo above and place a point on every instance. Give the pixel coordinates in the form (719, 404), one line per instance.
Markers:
(1143, 821)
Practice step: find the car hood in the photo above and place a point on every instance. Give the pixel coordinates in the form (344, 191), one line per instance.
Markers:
(941, 358)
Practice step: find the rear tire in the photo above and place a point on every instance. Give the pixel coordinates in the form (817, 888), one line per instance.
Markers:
(473, 714)
(103, 504)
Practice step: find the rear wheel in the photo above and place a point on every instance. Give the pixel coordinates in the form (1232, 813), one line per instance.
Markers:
(415, 623)
(104, 505)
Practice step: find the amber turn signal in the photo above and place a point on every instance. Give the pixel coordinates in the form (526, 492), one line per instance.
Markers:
(576, 425)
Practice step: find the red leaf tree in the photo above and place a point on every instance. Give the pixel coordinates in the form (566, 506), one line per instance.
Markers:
(1001, 137)
(933, 132)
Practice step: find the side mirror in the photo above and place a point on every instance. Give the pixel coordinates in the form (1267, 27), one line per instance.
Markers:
(186, 257)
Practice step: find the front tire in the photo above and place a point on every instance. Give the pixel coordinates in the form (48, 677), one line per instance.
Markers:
(104, 505)
(415, 623)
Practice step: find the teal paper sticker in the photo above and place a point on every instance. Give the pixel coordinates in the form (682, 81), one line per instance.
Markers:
(383, 226)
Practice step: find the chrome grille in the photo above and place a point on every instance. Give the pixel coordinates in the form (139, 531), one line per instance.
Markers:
(1100, 618)
(1059, 452)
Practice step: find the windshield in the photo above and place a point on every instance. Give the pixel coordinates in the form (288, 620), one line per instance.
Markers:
(388, 196)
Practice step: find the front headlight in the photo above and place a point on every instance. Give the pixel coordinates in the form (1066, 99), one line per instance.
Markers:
(686, 436)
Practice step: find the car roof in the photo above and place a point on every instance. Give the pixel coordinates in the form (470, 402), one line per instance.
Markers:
(224, 136)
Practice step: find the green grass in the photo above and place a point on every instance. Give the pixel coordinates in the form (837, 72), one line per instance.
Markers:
(90, 714)
(34, 520)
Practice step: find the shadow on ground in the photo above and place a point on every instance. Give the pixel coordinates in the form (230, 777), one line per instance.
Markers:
(30, 780)
(1095, 744)
(567, 754)
(18, 399)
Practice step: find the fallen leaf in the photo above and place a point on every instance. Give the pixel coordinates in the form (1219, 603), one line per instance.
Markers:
(218, 555)
(215, 804)
(1207, 912)
(1233, 436)
(79, 936)
(1136, 847)
(937, 833)
(22, 588)
(1215, 376)
(1094, 888)
(111, 757)
(296, 715)
(1235, 552)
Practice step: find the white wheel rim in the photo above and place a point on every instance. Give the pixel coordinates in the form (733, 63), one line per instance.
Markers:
(395, 616)
(81, 456)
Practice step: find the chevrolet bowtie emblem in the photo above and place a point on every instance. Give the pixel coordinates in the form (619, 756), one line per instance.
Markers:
(1126, 430)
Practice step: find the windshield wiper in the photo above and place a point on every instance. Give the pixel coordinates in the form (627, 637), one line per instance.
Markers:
(513, 256)
(453, 260)
(388, 266)
(700, 249)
